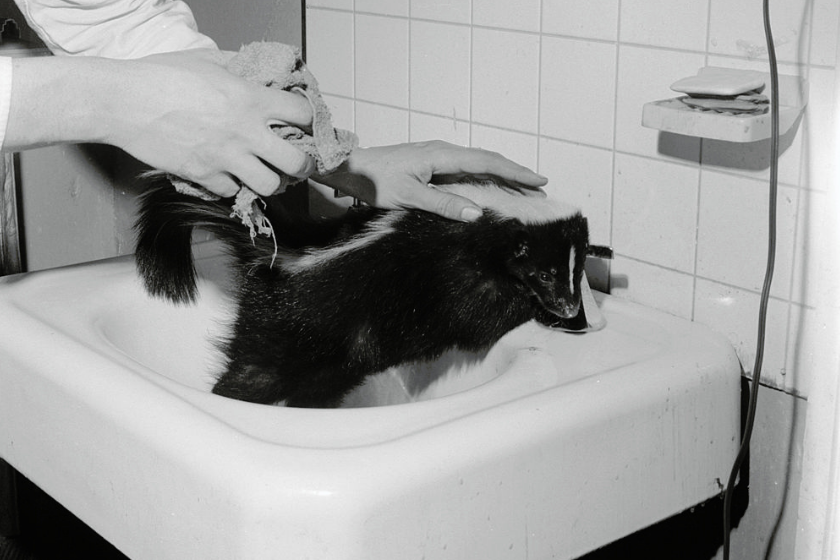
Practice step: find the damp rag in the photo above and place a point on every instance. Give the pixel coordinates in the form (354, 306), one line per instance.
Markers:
(280, 66)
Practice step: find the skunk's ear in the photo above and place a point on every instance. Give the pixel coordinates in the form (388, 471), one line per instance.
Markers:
(522, 245)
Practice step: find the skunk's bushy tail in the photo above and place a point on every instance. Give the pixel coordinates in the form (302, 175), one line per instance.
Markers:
(164, 230)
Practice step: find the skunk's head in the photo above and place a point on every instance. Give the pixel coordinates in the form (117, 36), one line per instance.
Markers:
(548, 260)
(548, 245)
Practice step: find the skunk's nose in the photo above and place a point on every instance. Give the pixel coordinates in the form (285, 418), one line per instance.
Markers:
(565, 309)
(571, 311)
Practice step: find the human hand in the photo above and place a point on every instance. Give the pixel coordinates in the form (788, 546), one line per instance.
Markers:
(184, 113)
(398, 176)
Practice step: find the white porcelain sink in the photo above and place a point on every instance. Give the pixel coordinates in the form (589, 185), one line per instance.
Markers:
(548, 446)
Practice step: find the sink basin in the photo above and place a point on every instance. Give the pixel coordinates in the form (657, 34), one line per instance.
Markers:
(548, 445)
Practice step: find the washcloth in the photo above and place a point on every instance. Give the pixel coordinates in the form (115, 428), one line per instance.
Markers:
(280, 66)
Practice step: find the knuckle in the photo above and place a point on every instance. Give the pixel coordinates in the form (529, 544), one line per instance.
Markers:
(266, 186)
(221, 185)
(299, 164)
(196, 171)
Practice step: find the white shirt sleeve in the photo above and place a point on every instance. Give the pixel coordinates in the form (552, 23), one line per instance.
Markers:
(114, 28)
(5, 95)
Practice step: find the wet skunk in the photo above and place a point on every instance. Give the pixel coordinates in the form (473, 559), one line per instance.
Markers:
(350, 297)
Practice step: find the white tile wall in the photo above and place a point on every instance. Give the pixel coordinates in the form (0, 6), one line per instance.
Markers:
(337, 4)
(655, 211)
(678, 24)
(381, 59)
(736, 29)
(652, 285)
(559, 86)
(733, 312)
(577, 19)
(442, 89)
(820, 130)
(492, 13)
(431, 127)
(333, 58)
(646, 74)
(577, 93)
(732, 232)
(824, 40)
(581, 175)
(505, 79)
(377, 125)
(342, 111)
(457, 11)
(515, 145)
(385, 7)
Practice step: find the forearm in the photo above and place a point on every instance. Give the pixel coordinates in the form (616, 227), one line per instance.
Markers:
(53, 101)
(182, 113)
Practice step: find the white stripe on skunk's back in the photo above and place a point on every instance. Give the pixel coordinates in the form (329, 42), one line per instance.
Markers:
(508, 202)
(374, 230)
(529, 209)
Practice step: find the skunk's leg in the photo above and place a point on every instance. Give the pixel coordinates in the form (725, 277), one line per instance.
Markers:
(325, 388)
(252, 383)
(266, 385)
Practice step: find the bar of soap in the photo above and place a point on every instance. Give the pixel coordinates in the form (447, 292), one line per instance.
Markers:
(720, 82)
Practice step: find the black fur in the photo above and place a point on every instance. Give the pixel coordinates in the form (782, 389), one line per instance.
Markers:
(309, 336)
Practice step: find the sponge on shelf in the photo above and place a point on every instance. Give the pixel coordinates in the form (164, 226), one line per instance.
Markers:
(720, 82)
(724, 90)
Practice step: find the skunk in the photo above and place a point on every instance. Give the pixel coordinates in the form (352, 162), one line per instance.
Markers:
(328, 302)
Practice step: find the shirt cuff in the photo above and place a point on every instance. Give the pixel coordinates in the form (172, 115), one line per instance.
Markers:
(5, 95)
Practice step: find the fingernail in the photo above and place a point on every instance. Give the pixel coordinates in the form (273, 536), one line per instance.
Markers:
(470, 214)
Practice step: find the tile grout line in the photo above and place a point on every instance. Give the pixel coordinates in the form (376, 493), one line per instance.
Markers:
(699, 196)
(614, 156)
(539, 88)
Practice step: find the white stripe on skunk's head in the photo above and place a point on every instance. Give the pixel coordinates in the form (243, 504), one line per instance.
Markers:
(511, 203)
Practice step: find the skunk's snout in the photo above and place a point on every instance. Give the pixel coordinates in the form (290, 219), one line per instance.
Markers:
(563, 308)
(569, 310)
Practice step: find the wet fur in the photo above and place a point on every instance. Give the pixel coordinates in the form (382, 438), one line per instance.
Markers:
(349, 297)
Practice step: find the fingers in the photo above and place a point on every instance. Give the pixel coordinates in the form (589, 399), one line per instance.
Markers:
(254, 174)
(282, 155)
(285, 107)
(443, 204)
(221, 184)
(259, 175)
(275, 154)
(271, 154)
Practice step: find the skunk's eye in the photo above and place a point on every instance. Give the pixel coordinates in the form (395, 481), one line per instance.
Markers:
(544, 277)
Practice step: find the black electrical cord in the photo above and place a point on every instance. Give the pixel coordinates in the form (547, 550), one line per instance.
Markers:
(768, 278)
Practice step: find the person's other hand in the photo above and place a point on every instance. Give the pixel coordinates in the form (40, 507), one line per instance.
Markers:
(399, 176)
